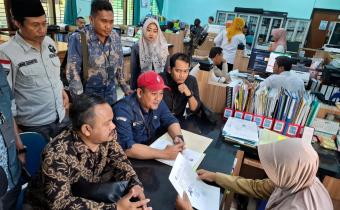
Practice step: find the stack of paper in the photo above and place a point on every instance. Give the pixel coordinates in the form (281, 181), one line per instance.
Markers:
(184, 179)
(241, 131)
(195, 146)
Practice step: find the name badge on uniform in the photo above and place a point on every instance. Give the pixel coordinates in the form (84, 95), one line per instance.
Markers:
(27, 63)
(137, 123)
(6, 131)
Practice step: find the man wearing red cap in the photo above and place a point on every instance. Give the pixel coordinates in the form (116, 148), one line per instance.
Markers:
(140, 116)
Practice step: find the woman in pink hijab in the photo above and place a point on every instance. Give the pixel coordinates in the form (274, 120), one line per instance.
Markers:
(280, 42)
(291, 167)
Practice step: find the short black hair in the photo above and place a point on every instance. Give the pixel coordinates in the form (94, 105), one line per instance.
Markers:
(215, 51)
(284, 61)
(211, 18)
(197, 22)
(170, 25)
(80, 17)
(179, 56)
(99, 5)
(81, 110)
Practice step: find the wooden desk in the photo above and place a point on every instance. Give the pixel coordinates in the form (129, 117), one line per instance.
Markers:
(241, 61)
(4, 38)
(154, 175)
(212, 94)
(62, 49)
(176, 40)
(327, 109)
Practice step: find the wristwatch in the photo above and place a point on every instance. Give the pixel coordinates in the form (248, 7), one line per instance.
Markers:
(189, 96)
(22, 150)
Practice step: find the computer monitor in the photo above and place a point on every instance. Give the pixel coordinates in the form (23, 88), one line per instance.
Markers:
(271, 61)
(258, 60)
(331, 75)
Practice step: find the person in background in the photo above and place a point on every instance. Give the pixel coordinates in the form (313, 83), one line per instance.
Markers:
(86, 153)
(280, 42)
(195, 34)
(80, 23)
(291, 166)
(219, 72)
(141, 116)
(12, 151)
(283, 78)
(184, 88)
(229, 40)
(245, 30)
(220, 66)
(150, 53)
(170, 27)
(210, 20)
(105, 56)
(34, 72)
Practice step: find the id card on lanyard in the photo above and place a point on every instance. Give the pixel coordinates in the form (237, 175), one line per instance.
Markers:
(146, 124)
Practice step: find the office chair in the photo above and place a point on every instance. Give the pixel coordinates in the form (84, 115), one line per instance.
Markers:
(35, 143)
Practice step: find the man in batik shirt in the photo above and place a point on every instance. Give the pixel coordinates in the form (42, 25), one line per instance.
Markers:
(105, 56)
(87, 153)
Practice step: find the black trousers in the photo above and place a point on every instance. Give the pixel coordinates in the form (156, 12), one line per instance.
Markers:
(230, 67)
(50, 130)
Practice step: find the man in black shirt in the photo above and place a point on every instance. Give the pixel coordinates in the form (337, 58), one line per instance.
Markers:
(184, 88)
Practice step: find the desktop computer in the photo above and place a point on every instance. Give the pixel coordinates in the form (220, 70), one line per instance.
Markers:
(258, 60)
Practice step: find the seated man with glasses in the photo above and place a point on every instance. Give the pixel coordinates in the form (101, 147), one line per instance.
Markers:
(184, 88)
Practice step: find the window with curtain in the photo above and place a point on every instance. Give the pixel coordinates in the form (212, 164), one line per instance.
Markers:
(48, 11)
(3, 19)
(123, 12)
(154, 8)
(59, 10)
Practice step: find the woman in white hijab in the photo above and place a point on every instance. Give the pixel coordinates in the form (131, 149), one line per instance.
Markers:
(291, 167)
(150, 53)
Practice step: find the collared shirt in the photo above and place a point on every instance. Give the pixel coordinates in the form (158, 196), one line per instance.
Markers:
(105, 62)
(285, 80)
(229, 48)
(175, 100)
(8, 154)
(134, 125)
(35, 80)
(65, 161)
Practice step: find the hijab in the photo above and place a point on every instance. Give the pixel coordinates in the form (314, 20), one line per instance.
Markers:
(292, 165)
(153, 54)
(235, 28)
(279, 35)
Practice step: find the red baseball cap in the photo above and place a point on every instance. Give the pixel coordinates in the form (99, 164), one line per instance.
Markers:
(151, 80)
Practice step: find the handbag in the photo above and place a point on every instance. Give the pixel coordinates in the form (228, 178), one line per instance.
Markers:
(108, 192)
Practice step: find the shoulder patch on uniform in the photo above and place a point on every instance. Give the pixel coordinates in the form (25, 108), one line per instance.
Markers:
(121, 119)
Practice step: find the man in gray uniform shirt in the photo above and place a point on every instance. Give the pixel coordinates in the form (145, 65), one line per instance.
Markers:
(34, 76)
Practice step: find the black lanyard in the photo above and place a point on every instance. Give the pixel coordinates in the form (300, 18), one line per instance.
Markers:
(146, 124)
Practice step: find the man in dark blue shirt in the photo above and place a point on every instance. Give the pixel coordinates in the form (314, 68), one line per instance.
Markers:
(139, 116)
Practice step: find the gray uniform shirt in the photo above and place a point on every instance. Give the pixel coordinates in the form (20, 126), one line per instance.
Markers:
(35, 80)
(285, 80)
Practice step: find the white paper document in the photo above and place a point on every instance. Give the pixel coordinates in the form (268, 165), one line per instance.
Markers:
(194, 158)
(184, 179)
(242, 129)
